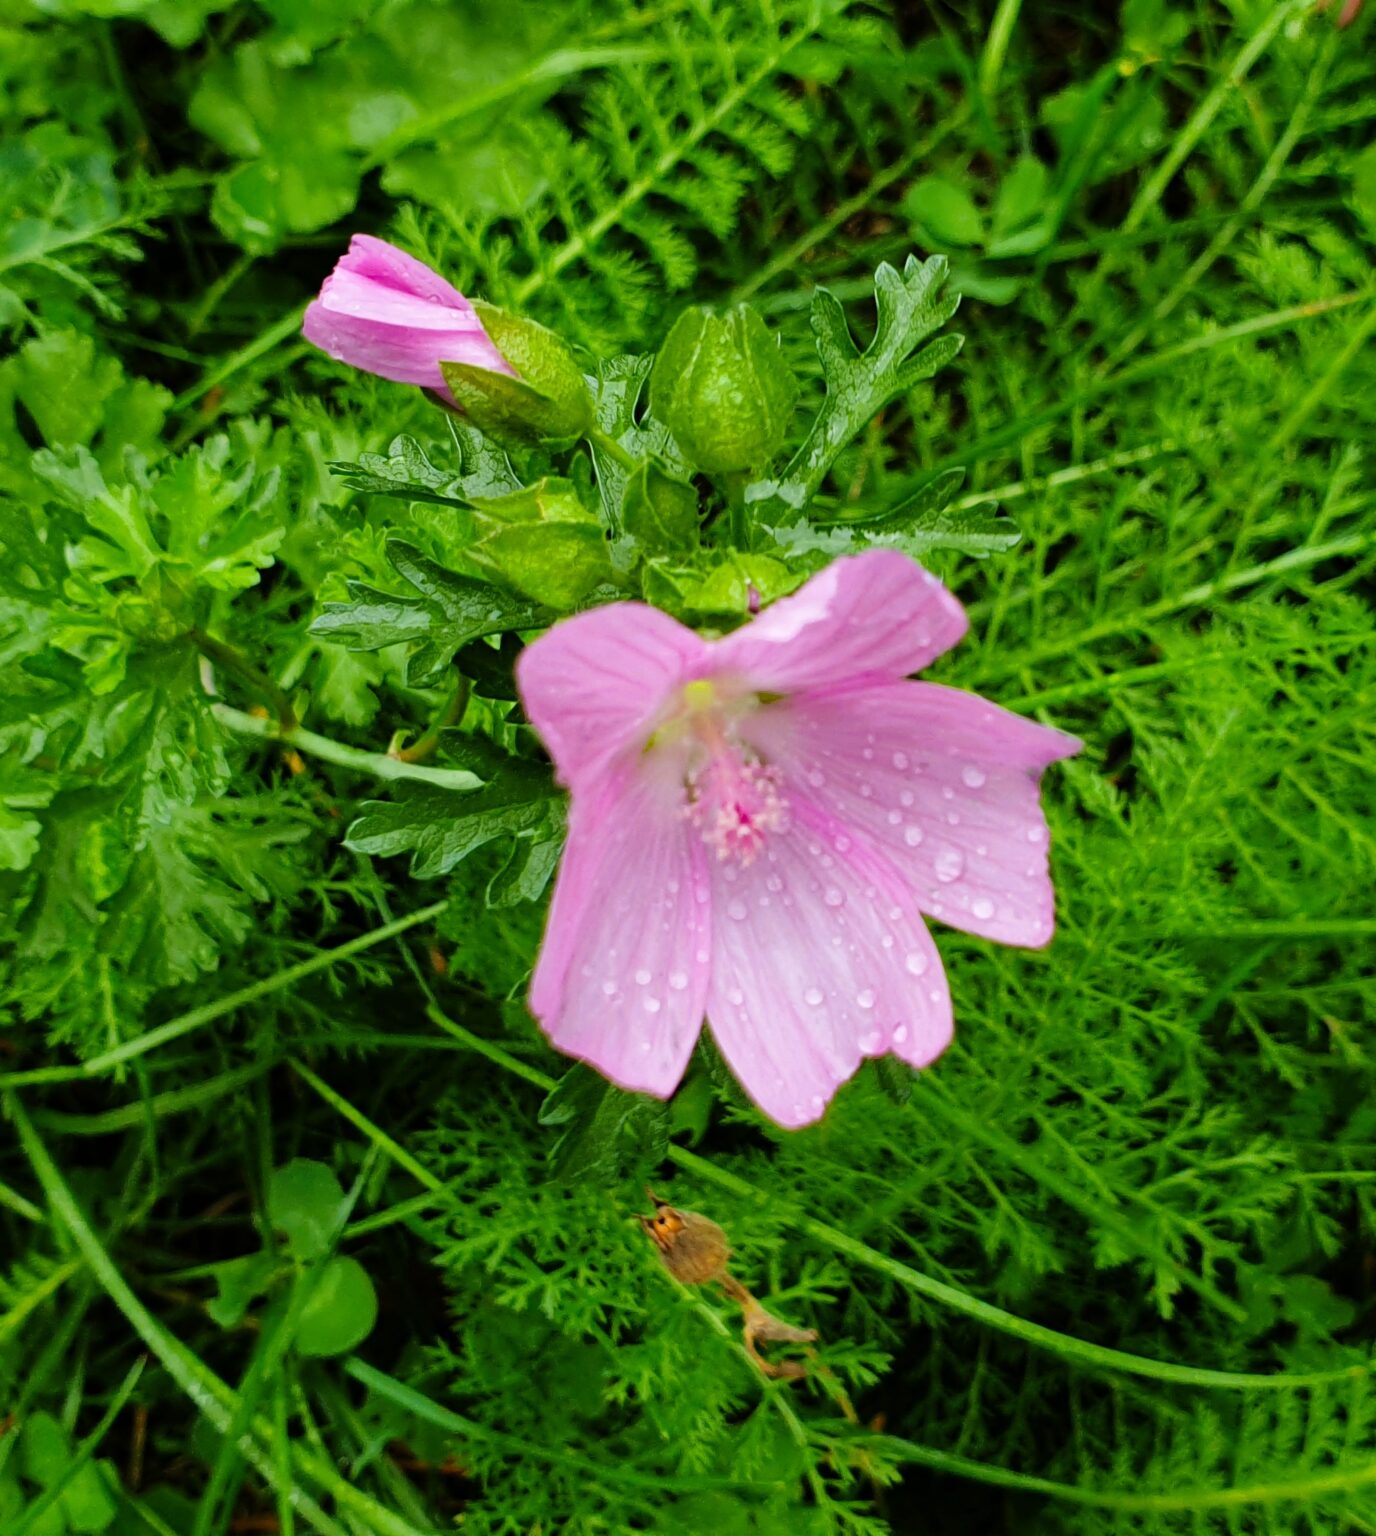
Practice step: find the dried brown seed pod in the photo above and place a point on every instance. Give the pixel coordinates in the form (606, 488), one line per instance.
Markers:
(694, 1249)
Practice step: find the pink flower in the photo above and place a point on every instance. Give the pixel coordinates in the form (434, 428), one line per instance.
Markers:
(387, 313)
(759, 823)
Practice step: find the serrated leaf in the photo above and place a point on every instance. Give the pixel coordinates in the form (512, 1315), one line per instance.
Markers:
(603, 1130)
(859, 384)
(919, 525)
(439, 828)
(445, 613)
(405, 471)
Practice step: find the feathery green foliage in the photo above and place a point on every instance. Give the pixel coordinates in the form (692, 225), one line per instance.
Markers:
(275, 842)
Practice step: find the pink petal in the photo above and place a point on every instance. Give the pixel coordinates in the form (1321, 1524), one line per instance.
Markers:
(873, 615)
(945, 782)
(621, 980)
(404, 355)
(387, 313)
(819, 959)
(595, 684)
(392, 267)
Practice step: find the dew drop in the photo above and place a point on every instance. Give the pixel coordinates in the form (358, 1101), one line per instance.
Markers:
(865, 999)
(913, 836)
(816, 778)
(916, 963)
(949, 864)
(774, 883)
(894, 818)
(870, 1043)
(953, 818)
(678, 980)
(973, 776)
(906, 798)
(866, 790)
(982, 907)
(900, 1034)
(642, 978)
(886, 942)
(947, 793)
(736, 910)
(813, 996)
(834, 897)
(609, 989)
(900, 759)
(703, 956)
(1036, 834)
(650, 1004)
(735, 997)
(841, 842)
(818, 1102)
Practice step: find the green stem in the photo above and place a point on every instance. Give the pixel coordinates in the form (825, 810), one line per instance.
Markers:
(996, 46)
(379, 764)
(232, 660)
(604, 442)
(451, 712)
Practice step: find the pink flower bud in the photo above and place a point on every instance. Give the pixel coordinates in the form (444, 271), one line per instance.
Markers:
(387, 313)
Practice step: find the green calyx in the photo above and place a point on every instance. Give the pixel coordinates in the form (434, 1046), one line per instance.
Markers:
(547, 402)
(723, 389)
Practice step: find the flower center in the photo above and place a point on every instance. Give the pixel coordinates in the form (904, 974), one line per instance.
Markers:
(734, 799)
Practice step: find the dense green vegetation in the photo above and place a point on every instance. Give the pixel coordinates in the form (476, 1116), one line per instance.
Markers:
(303, 1225)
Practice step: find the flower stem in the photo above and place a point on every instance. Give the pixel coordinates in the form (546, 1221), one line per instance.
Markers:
(423, 748)
(379, 764)
(226, 656)
(604, 442)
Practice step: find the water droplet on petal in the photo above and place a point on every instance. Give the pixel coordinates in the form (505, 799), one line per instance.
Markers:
(735, 997)
(894, 818)
(609, 989)
(913, 836)
(816, 778)
(900, 1034)
(900, 760)
(886, 942)
(841, 842)
(982, 907)
(813, 996)
(865, 999)
(834, 896)
(678, 980)
(916, 963)
(973, 776)
(642, 978)
(906, 798)
(651, 1004)
(947, 793)
(870, 1043)
(1036, 834)
(736, 910)
(818, 1102)
(948, 865)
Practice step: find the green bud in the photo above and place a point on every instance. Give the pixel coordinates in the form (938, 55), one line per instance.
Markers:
(722, 388)
(548, 402)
